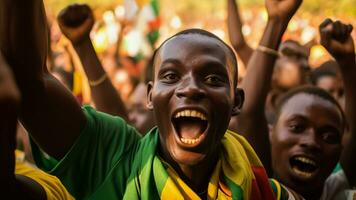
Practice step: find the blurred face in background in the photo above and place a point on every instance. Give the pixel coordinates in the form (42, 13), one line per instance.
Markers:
(139, 115)
(333, 85)
(306, 143)
(287, 74)
(122, 83)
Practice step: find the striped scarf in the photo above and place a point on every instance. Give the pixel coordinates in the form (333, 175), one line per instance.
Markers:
(238, 174)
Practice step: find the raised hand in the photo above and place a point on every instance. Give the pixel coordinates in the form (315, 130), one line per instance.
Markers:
(282, 9)
(336, 38)
(76, 22)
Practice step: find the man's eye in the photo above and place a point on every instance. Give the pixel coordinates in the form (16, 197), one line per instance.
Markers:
(213, 80)
(170, 77)
(331, 138)
(296, 128)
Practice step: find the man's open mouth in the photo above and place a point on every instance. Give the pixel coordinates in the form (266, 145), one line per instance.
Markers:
(190, 126)
(304, 167)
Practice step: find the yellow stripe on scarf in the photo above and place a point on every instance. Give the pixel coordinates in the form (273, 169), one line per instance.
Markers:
(175, 188)
(236, 161)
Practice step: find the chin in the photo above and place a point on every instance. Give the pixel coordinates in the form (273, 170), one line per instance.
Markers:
(183, 157)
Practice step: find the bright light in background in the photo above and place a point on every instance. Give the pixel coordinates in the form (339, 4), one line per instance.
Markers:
(246, 30)
(100, 40)
(111, 26)
(176, 22)
(121, 76)
(318, 55)
(220, 33)
(293, 25)
(264, 15)
(112, 33)
(131, 9)
(120, 11)
(134, 39)
(308, 34)
(109, 17)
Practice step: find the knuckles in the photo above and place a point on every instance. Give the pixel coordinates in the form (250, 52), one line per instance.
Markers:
(74, 15)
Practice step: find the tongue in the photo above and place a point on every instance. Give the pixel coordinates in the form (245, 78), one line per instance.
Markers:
(190, 130)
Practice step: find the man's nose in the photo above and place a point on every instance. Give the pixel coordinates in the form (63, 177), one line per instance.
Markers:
(310, 140)
(190, 88)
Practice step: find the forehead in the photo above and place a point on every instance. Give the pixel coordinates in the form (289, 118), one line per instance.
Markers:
(327, 80)
(190, 47)
(313, 108)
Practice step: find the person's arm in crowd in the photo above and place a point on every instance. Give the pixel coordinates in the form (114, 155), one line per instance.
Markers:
(12, 185)
(252, 122)
(48, 110)
(120, 38)
(76, 22)
(336, 38)
(237, 39)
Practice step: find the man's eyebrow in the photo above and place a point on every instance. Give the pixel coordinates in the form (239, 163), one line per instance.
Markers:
(297, 116)
(171, 61)
(213, 63)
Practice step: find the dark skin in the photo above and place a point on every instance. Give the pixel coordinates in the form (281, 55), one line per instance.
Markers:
(55, 119)
(76, 22)
(48, 109)
(308, 127)
(325, 124)
(199, 78)
(259, 72)
(15, 186)
(336, 38)
(237, 39)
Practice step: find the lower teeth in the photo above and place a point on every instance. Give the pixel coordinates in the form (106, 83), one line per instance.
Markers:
(302, 173)
(189, 141)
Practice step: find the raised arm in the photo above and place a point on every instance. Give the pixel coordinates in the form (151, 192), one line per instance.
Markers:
(336, 38)
(13, 186)
(48, 111)
(76, 22)
(237, 39)
(252, 122)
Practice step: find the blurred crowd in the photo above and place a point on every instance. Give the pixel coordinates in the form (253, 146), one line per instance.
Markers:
(107, 59)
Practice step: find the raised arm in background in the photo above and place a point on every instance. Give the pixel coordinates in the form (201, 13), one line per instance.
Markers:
(237, 39)
(48, 110)
(12, 185)
(252, 122)
(336, 38)
(76, 22)
(19, 179)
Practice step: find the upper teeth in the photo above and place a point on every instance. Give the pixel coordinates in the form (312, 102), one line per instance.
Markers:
(190, 113)
(306, 160)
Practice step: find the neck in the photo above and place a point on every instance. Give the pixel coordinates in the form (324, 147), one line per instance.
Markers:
(196, 176)
(314, 195)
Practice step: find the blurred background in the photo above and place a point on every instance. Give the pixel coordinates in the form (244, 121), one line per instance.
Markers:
(144, 24)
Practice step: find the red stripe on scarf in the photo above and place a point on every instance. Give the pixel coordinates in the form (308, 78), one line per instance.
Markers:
(261, 188)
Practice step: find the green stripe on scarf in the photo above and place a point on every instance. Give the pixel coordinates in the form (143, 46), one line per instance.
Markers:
(237, 192)
(151, 179)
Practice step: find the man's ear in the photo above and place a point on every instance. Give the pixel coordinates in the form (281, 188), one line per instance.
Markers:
(149, 95)
(270, 131)
(238, 102)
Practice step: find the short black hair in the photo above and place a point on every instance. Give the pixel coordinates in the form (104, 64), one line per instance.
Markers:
(311, 90)
(328, 68)
(208, 34)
